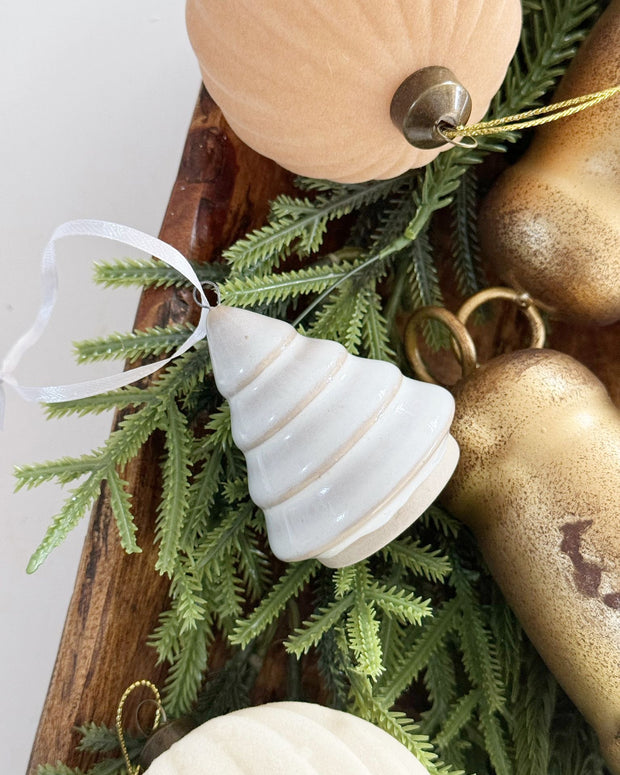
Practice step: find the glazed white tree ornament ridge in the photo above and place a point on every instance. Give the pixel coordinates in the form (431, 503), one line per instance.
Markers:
(282, 738)
(343, 453)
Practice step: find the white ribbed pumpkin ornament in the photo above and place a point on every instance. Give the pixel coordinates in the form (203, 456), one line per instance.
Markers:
(343, 453)
(287, 738)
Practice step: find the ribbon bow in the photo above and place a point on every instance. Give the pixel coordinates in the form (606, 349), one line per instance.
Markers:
(49, 282)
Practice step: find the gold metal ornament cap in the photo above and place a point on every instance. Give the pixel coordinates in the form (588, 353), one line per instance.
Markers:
(427, 100)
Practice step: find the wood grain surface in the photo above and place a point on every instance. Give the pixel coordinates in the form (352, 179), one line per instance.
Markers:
(222, 190)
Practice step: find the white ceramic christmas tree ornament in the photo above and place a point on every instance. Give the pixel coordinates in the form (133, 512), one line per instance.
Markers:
(283, 738)
(343, 453)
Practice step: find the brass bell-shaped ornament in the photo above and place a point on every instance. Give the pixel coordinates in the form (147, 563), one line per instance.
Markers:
(538, 483)
(551, 223)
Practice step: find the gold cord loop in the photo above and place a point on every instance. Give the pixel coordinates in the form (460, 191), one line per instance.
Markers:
(462, 343)
(529, 118)
(119, 719)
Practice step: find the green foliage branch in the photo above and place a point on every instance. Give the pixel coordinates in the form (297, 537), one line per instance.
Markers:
(420, 619)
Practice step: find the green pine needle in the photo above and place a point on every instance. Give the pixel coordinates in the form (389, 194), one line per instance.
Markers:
(117, 399)
(430, 638)
(375, 330)
(495, 742)
(287, 588)
(300, 224)
(187, 668)
(420, 560)
(344, 580)
(73, 511)
(322, 620)
(532, 717)
(401, 603)
(188, 596)
(120, 503)
(468, 270)
(150, 273)
(173, 505)
(201, 497)
(460, 716)
(247, 291)
(228, 592)
(253, 565)
(58, 769)
(64, 470)
(133, 345)
(115, 766)
(166, 637)
(211, 551)
(479, 653)
(97, 738)
(363, 637)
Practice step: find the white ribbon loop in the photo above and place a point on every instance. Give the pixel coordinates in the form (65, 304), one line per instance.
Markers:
(49, 281)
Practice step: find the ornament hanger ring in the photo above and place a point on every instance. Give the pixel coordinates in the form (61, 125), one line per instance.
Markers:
(208, 285)
(159, 711)
(465, 142)
(461, 341)
(523, 300)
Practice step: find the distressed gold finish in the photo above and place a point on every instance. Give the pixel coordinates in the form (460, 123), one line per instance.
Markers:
(538, 482)
(551, 223)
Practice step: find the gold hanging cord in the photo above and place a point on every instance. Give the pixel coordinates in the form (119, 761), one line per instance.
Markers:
(462, 343)
(525, 120)
(159, 713)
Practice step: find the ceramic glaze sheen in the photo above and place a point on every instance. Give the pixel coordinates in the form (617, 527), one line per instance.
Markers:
(283, 738)
(309, 82)
(343, 453)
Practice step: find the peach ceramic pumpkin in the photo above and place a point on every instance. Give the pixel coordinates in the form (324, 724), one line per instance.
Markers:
(309, 83)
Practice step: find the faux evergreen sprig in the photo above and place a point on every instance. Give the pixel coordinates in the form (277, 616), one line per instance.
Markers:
(419, 619)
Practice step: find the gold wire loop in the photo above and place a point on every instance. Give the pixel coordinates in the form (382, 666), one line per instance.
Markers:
(462, 341)
(522, 300)
(530, 118)
(208, 285)
(450, 135)
(119, 719)
(158, 709)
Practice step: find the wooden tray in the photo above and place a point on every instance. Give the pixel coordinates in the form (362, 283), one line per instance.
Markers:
(222, 190)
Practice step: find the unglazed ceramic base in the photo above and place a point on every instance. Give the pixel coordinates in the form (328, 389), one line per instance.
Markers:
(421, 492)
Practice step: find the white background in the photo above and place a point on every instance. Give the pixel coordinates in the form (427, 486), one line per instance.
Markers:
(95, 101)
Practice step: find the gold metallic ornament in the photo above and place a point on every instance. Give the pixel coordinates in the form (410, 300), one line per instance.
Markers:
(551, 223)
(538, 483)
